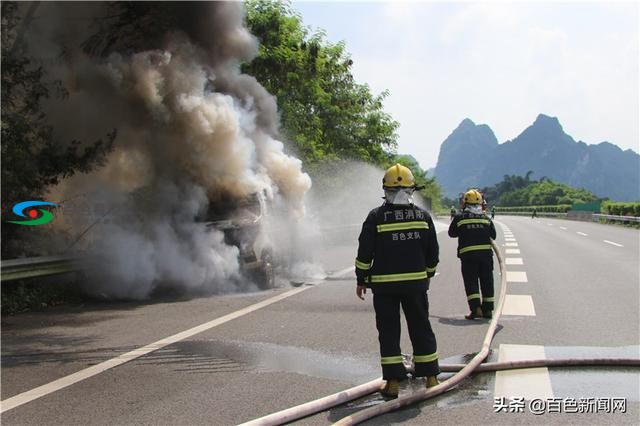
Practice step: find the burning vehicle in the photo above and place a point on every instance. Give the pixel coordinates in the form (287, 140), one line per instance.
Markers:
(241, 222)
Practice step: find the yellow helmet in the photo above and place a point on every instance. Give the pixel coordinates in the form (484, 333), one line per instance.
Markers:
(398, 176)
(473, 196)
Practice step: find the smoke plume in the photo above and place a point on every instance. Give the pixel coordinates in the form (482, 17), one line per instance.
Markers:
(191, 129)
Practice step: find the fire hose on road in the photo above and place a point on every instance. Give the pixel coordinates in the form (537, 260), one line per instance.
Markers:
(462, 372)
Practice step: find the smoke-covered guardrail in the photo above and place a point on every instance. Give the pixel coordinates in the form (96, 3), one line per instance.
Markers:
(34, 267)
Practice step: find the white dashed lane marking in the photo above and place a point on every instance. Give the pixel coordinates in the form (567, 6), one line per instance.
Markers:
(582, 233)
(563, 228)
(518, 304)
(612, 243)
(529, 383)
(517, 277)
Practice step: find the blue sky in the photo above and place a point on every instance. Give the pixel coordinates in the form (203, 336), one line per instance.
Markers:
(497, 63)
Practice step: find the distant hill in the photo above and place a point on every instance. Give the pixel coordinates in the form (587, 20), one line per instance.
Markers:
(464, 156)
(471, 156)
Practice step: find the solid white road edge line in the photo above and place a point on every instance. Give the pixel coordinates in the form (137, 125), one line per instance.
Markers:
(63, 382)
(340, 273)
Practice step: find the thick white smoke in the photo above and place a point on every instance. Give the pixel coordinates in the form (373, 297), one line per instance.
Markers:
(191, 128)
(167, 249)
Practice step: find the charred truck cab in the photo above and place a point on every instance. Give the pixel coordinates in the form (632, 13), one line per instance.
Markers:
(241, 222)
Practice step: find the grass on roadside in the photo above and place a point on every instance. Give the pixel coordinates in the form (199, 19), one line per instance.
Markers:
(37, 294)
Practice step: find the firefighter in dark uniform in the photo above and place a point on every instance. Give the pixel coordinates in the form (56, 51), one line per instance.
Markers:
(397, 256)
(475, 231)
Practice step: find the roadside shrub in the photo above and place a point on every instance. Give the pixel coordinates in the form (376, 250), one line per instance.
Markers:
(621, 209)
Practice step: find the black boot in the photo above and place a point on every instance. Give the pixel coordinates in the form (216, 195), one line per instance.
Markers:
(475, 313)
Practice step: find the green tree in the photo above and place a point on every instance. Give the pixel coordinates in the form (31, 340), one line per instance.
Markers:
(32, 160)
(521, 191)
(324, 112)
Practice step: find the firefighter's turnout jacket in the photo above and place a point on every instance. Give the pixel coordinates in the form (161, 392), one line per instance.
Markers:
(474, 232)
(398, 249)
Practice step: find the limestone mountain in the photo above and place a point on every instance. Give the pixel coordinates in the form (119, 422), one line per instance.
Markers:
(543, 148)
(463, 156)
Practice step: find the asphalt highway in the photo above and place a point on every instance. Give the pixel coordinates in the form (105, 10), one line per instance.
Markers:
(573, 291)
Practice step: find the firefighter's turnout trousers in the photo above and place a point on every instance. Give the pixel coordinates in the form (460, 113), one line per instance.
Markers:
(416, 311)
(397, 256)
(478, 266)
(474, 233)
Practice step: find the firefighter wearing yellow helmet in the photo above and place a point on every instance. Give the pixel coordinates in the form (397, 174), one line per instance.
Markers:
(397, 256)
(474, 231)
(398, 176)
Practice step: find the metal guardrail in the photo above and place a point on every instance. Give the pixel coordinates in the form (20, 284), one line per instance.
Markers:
(33, 267)
(551, 214)
(594, 216)
(616, 218)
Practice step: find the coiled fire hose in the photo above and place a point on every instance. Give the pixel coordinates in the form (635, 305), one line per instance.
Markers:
(463, 371)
